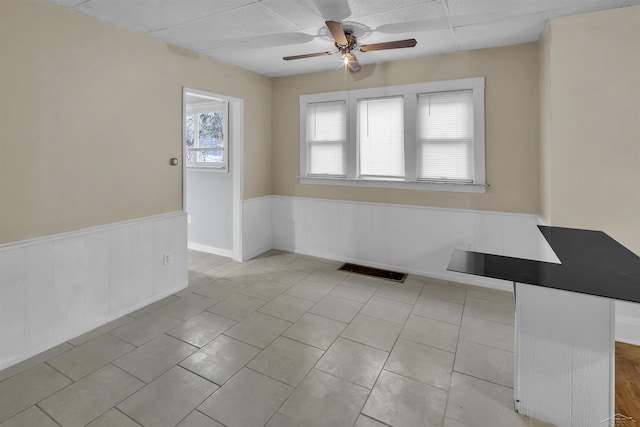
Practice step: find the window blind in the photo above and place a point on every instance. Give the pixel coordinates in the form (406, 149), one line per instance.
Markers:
(326, 137)
(381, 137)
(445, 136)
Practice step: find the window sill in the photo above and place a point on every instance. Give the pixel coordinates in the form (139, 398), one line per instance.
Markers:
(401, 185)
(207, 168)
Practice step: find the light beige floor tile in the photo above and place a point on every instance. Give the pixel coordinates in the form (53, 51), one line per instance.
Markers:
(90, 356)
(153, 306)
(315, 330)
(113, 418)
(488, 310)
(340, 309)
(201, 329)
(32, 417)
(100, 330)
(286, 360)
(35, 360)
(327, 276)
(450, 422)
(220, 359)
(237, 306)
(353, 362)
(401, 402)
(218, 290)
(492, 334)
(198, 419)
(487, 363)
(398, 292)
(168, 399)
(187, 307)
(537, 423)
(324, 400)
(92, 396)
(438, 310)
(27, 388)
(415, 281)
(431, 332)
(480, 403)
(258, 329)
(155, 357)
(374, 332)
(247, 399)
(286, 307)
(288, 277)
(444, 292)
(312, 291)
(364, 421)
(306, 265)
(420, 362)
(245, 275)
(280, 420)
(145, 328)
(354, 291)
(489, 294)
(386, 309)
(265, 290)
(364, 280)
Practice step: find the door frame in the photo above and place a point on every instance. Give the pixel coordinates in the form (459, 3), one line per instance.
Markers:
(236, 146)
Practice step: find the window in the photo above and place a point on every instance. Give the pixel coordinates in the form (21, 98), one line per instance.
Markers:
(206, 135)
(426, 136)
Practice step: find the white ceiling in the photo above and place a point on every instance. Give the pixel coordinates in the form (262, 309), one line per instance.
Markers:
(256, 34)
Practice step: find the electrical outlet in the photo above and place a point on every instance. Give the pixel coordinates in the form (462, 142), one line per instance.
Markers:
(309, 227)
(166, 259)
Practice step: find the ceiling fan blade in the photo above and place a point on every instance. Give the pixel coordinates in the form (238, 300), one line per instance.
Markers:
(337, 32)
(352, 63)
(308, 55)
(388, 45)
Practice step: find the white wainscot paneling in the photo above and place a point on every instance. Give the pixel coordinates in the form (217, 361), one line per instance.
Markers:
(413, 239)
(628, 322)
(57, 287)
(256, 227)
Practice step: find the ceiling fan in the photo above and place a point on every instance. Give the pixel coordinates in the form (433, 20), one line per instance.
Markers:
(346, 42)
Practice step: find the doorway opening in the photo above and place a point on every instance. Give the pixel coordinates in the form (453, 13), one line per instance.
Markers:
(212, 173)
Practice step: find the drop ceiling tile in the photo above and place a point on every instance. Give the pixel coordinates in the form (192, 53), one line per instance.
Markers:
(361, 8)
(424, 17)
(301, 14)
(247, 22)
(159, 14)
(469, 12)
(521, 29)
(120, 21)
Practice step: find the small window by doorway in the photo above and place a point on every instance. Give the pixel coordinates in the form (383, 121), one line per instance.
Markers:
(206, 132)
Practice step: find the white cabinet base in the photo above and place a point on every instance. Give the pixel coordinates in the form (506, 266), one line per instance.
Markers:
(564, 360)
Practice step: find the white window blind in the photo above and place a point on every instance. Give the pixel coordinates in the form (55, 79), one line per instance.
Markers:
(381, 137)
(445, 136)
(326, 138)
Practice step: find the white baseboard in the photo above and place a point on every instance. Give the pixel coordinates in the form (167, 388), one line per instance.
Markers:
(210, 249)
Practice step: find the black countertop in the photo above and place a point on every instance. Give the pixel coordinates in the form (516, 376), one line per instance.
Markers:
(591, 263)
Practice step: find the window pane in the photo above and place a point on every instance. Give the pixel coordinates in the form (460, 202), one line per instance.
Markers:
(445, 133)
(188, 130)
(191, 157)
(326, 121)
(381, 137)
(446, 160)
(211, 129)
(214, 156)
(445, 115)
(326, 158)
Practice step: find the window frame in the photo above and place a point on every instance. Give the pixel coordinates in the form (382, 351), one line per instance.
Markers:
(213, 107)
(410, 94)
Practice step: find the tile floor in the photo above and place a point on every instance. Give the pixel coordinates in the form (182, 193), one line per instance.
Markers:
(282, 340)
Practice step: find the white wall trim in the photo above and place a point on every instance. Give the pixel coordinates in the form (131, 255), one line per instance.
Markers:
(257, 226)
(210, 249)
(628, 329)
(60, 286)
(88, 230)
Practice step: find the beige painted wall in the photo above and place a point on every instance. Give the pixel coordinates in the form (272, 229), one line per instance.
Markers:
(90, 115)
(592, 125)
(512, 124)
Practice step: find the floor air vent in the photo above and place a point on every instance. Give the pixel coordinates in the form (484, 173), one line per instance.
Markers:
(374, 272)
